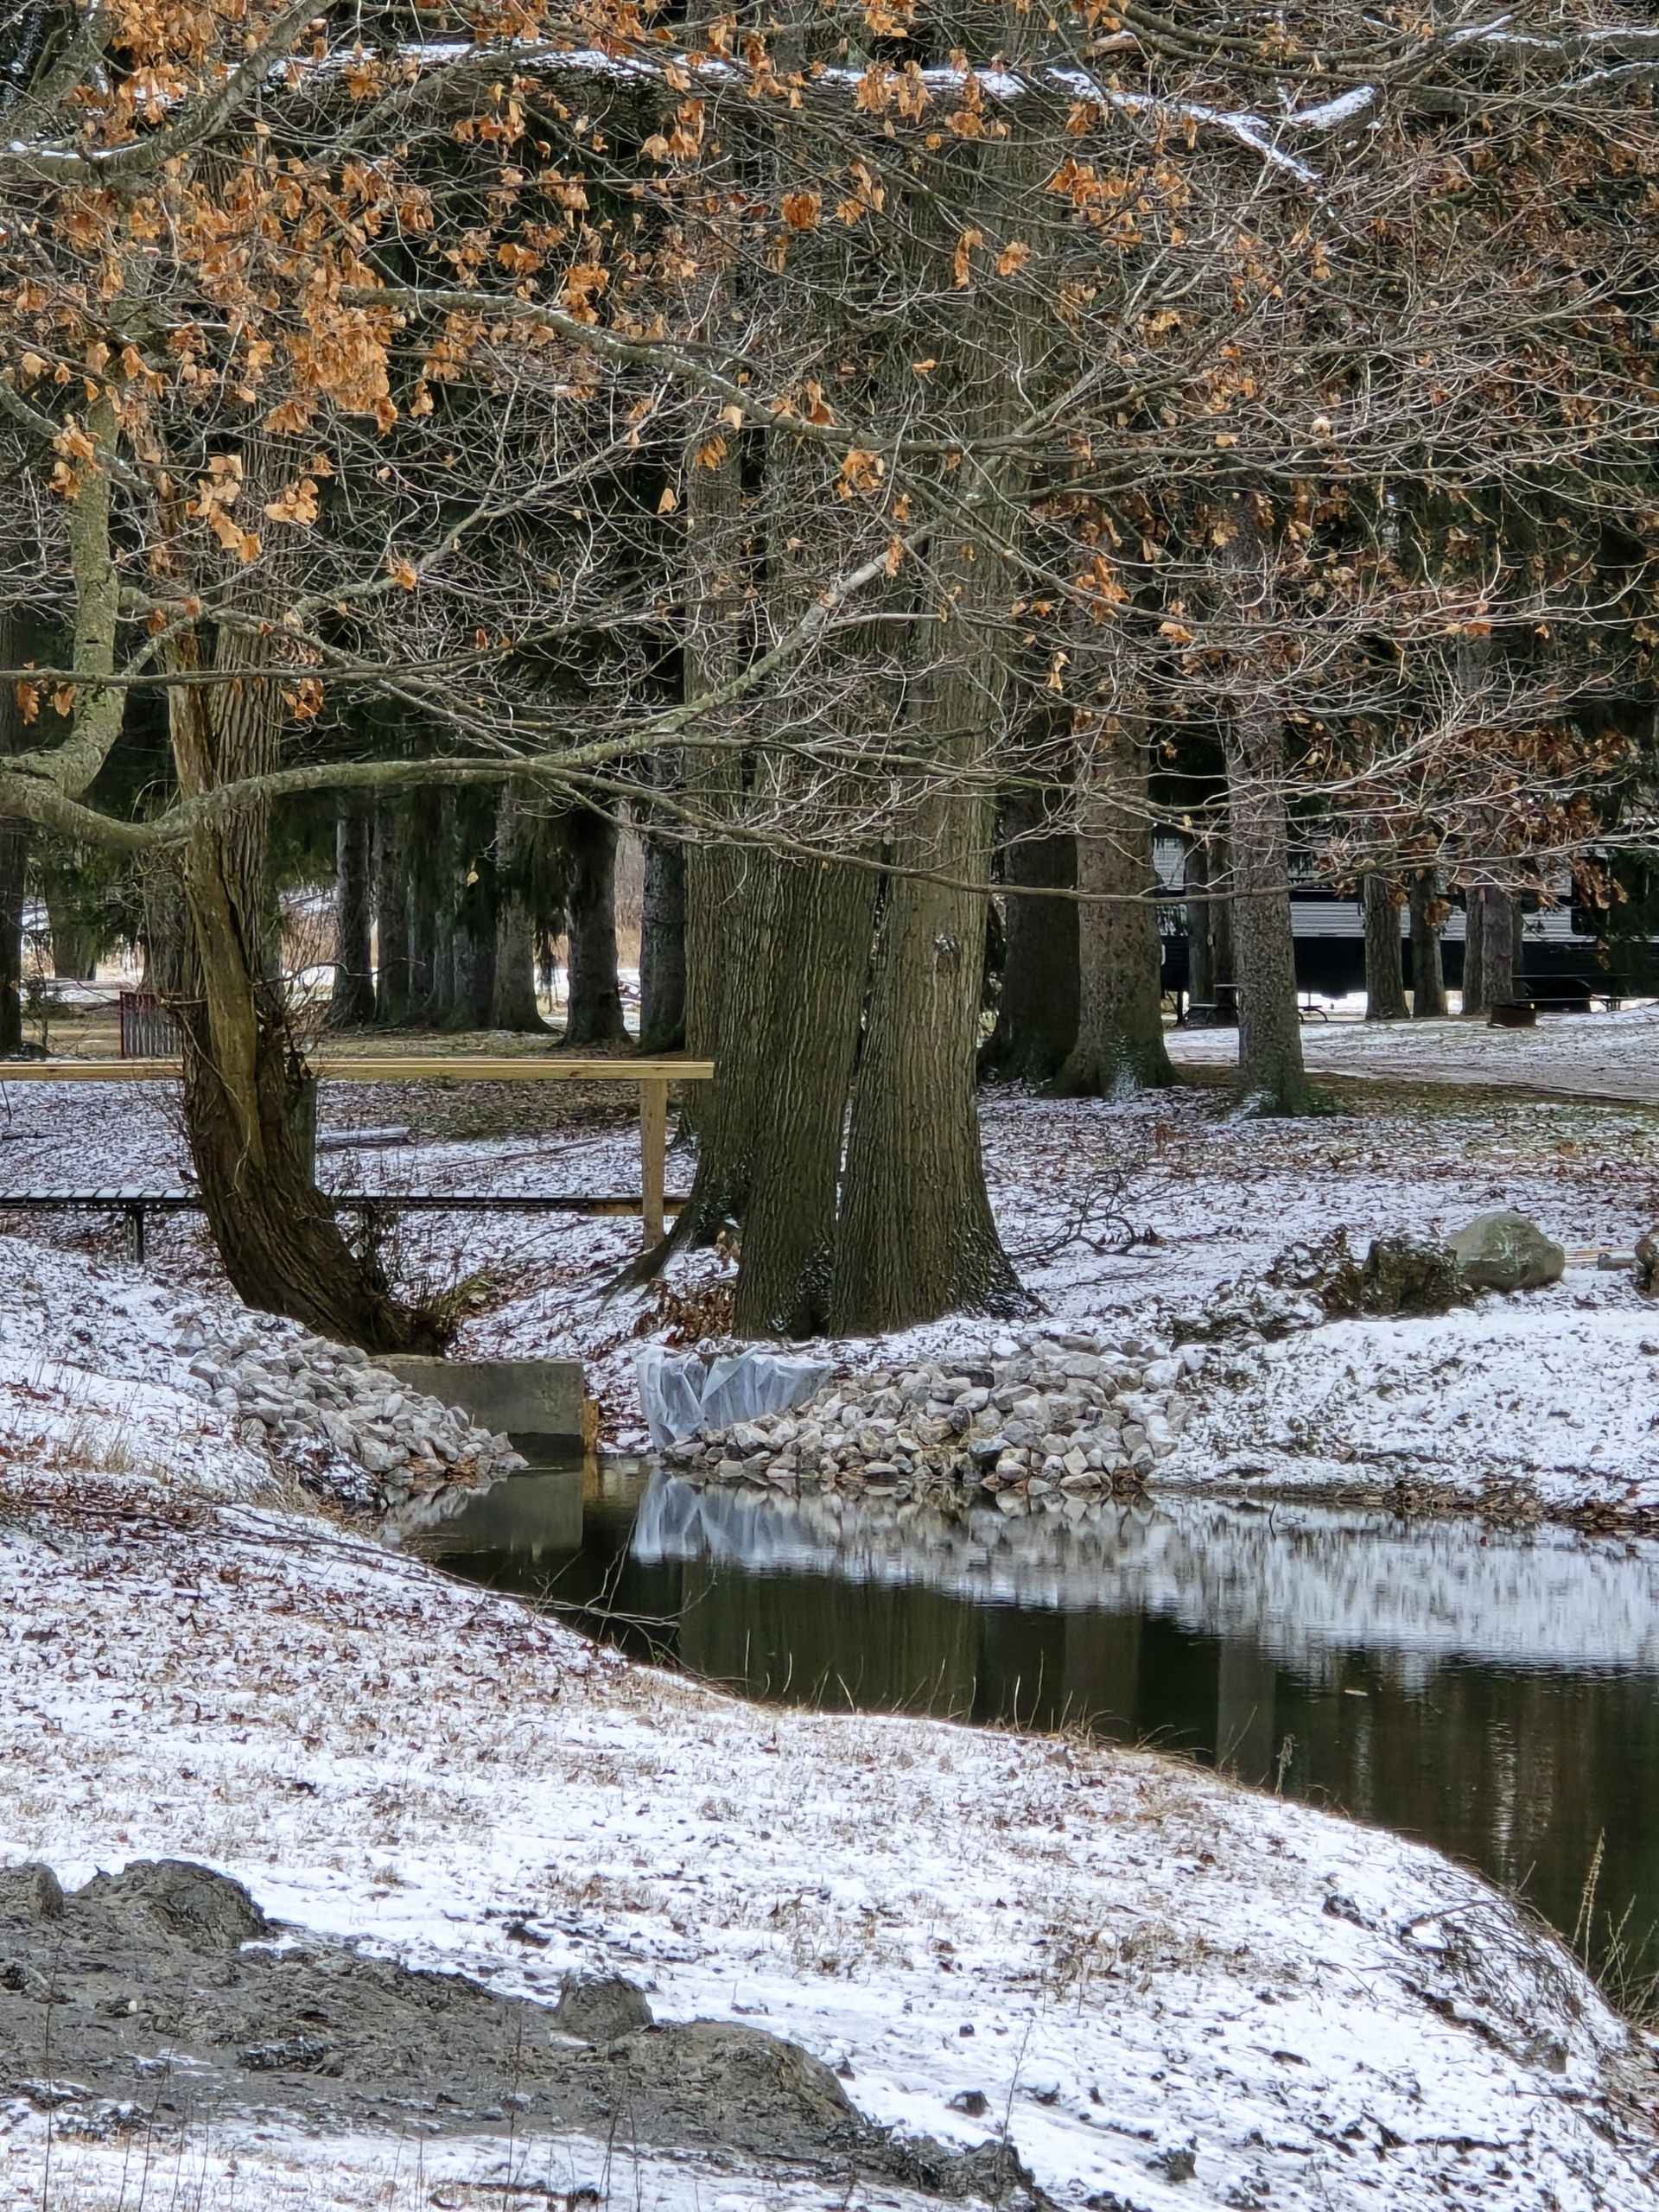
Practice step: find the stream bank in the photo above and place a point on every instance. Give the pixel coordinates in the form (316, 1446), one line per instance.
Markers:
(1168, 1990)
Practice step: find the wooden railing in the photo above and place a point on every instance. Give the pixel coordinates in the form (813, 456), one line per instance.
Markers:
(651, 1077)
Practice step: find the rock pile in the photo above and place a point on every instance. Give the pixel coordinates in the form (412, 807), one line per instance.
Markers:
(348, 1428)
(1069, 1413)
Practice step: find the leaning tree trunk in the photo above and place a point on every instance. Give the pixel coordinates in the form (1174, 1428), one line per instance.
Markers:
(1428, 970)
(351, 1001)
(17, 649)
(1120, 1047)
(513, 1001)
(1385, 983)
(392, 917)
(662, 947)
(246, 1087)
(595, 1005)
(1037, 1009)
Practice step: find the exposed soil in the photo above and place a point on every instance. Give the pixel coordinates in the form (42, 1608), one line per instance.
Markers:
(162, 1997)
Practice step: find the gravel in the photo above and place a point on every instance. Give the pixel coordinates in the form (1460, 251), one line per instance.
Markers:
(1033, 1416)
(348, 1429)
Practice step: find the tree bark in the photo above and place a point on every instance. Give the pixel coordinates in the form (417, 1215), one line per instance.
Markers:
(392, 918)
(246, 1087)
(786, 1266)
(16, 647)
(1120, 1047)
(916, 1237)
(719, 878)
(1201, 941)
(14, 860)
(1474, 952)
(74, 947)
(596, 1005)
(1498, 964)
(466, 954)
(350, 1004)
(1270, 1072)
(513, 1001)
(1385, 985)
(1271, 1076)
(1428, 970)
(422, 911)
(662, 948)
(1037, 1011)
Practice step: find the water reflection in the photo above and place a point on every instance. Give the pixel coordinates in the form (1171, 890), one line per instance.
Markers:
(1495, 1692)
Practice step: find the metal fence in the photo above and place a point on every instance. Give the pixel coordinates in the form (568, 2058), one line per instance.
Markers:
(148, 1030)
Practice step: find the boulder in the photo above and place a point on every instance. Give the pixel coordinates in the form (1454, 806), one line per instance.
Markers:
(1505, 1251)
(1647, 1261)
(1408, 1274)
(601, 2008)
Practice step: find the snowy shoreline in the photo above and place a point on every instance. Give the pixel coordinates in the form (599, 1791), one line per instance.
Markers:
(1177, 1991)
(1159, 1969)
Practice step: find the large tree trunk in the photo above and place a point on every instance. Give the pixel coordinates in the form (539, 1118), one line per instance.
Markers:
(74, 946)
(14, 861)
(422, 828)
(513, 1004)
(662, 947)
(17, 649)
(1474, 953)
(472, 938)
(1427, 971)
(392, 979)
(1120, 1046)
(1037, 1010)
(1498, 962)
(785, 1275)
(1271, 1076)
(1200, 940)
(1385, 984)
(719, 878)
(743, 940)
(596, 1005)
(917, 1237)
(350, 1004)
(247, 1091)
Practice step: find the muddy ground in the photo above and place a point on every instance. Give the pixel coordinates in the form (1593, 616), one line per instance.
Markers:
(163, 1998)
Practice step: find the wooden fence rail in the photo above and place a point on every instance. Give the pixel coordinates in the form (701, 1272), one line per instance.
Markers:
(651, 1077)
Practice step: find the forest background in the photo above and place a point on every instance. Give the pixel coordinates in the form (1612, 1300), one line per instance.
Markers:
(889, 455)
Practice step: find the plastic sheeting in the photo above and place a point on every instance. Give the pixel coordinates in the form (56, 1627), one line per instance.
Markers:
(682, 1395)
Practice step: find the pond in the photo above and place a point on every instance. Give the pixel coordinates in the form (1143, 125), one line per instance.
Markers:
(1494, 1693)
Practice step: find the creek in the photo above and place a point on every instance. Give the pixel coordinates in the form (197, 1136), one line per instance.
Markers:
(1492, 1691)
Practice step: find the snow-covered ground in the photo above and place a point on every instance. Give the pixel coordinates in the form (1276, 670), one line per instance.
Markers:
(1171, 1992)
(1579, 1055)
(1120, 1216)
